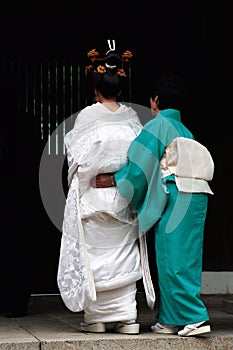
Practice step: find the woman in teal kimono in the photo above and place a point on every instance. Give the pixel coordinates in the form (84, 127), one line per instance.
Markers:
(168, 185)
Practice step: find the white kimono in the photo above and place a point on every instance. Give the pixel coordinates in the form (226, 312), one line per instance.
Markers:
(99, 247)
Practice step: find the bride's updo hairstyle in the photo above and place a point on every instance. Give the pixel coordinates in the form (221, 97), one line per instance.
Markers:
(106, 74)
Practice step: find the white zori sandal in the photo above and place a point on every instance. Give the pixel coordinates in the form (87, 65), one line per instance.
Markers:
(164, 328)
(195, 329)
(92, 327)
(124, 328)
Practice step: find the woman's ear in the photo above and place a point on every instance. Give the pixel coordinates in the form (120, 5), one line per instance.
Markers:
(154, 103)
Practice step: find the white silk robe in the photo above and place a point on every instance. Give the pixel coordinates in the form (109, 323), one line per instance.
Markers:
(104, 256)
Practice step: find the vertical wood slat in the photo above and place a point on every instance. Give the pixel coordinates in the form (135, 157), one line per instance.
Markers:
(30, 89)
(37, 98)
(75, 88)
(22, 81)
(59, 109)
(52, 92)
(45, 102)
(68, 91)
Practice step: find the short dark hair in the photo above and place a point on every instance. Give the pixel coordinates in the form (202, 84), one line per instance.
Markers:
(171, 91)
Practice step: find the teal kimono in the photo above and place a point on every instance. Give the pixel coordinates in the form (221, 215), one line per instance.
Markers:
(178, 219)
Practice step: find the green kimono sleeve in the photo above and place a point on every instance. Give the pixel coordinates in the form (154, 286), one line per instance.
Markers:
(140, 179)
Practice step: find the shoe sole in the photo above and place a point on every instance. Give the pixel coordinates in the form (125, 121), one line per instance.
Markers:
(197, 331)
(165, 331)
(94, 328)
(128, 329)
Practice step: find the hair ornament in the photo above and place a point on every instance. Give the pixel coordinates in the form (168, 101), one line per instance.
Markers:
(111, 47)
(109, 66)
(121, 72)
(101, 69)
(89, 68)
(108, 60)
(92, 54)
(127, 55)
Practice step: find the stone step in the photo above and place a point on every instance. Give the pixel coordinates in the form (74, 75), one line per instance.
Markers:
(227, 306)
(51, 326)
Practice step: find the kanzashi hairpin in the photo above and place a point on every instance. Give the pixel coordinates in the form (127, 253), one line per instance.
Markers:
(109, 60)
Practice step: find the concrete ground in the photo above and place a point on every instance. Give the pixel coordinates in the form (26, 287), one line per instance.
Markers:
(51, 326)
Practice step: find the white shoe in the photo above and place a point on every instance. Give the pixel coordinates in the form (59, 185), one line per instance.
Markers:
(195, 329)
(164, 328)
(124, 328)
(92, 327)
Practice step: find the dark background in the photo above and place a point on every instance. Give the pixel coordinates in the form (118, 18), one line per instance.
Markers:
(192, 38)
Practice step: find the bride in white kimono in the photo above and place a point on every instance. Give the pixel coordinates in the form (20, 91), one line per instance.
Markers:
(100, 255)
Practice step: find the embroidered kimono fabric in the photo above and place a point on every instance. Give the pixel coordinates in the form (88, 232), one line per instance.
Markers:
(98, 143)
